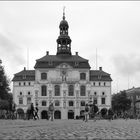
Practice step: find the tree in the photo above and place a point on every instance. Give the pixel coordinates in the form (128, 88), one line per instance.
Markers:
(6, 98)
(120, 102)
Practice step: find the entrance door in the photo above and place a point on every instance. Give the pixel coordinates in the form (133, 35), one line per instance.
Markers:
(57, 114)
(44, 114)
(70, 114)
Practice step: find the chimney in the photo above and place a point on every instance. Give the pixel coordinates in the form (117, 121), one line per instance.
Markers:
(24, 68)
(76, 53)
(100, 68)
(47, 52)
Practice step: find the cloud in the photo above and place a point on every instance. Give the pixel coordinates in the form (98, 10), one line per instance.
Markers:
(10, 51)
(127, 65)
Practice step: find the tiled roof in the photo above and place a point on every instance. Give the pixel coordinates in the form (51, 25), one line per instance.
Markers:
(24, 75)
(44, 62)
(133, 91)
(99, 75)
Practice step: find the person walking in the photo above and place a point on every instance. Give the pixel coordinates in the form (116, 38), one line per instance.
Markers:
(86, 112)
(51, 111)
(36, 112)
(31, 111)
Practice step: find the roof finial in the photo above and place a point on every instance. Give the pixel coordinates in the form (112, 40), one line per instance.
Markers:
(64, 13)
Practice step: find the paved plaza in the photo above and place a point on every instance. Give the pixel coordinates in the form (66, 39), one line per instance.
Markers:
(69, 129)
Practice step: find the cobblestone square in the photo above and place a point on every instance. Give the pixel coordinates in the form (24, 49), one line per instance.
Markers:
(69, 129)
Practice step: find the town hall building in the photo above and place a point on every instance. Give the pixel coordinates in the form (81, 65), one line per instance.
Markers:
(64, 79)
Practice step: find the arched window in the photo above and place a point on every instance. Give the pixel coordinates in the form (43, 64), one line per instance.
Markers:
(57, 103)
(44, 103)
(43, 76)
(71, 103)
(83, 90)
(71, 90)
(82, 76)
(44, 90)
(82, 103)
(57, 90)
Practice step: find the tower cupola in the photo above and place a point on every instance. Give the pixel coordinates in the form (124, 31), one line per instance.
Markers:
(63, 41)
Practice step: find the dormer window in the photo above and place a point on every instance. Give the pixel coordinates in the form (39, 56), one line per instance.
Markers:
(76, 63)
(24, 76)
(50, 63)
(99, 76)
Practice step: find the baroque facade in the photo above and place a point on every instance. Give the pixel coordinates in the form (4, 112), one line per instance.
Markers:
(64, 79)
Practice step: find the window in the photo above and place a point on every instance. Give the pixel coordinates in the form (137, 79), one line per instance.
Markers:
(95, 93)
(57, 90)
(94, 83)
(83, 91)
(57, 103)
(82, 76)
(20, 93)
(103, 93)
(29, 83)
(24, 76)
(28, 100)
(95, 100)
(24, 83)
(44, 90)
(71, 103)
(104, 84)
(44, 103)
(19, 84)
(29, 93)
(43, 76)
(99, 83)
(103, 101)
(82, 103)
(20, 100)
(71, 90)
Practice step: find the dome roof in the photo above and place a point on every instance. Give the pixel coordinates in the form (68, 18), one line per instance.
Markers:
(63, 23)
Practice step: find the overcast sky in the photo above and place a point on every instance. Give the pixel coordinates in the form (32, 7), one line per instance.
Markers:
(111, 27)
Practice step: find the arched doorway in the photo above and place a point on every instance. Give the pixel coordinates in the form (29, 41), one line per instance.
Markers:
(103, 112)
(20, 113)
(44, 115)
(57, 114)
(70, 114)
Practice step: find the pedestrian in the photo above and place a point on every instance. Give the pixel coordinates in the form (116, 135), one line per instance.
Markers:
(51, 111)
(31, 111)
(36, 112)
(86, 112)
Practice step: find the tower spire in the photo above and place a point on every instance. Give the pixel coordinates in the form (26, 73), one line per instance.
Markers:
(64, 13)
(63, 41)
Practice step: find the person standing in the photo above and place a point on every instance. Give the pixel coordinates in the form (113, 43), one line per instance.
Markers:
(86, 112)
(51, 110)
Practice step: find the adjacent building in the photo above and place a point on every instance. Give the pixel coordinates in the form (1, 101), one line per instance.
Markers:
(65, 79)
(134, 95)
